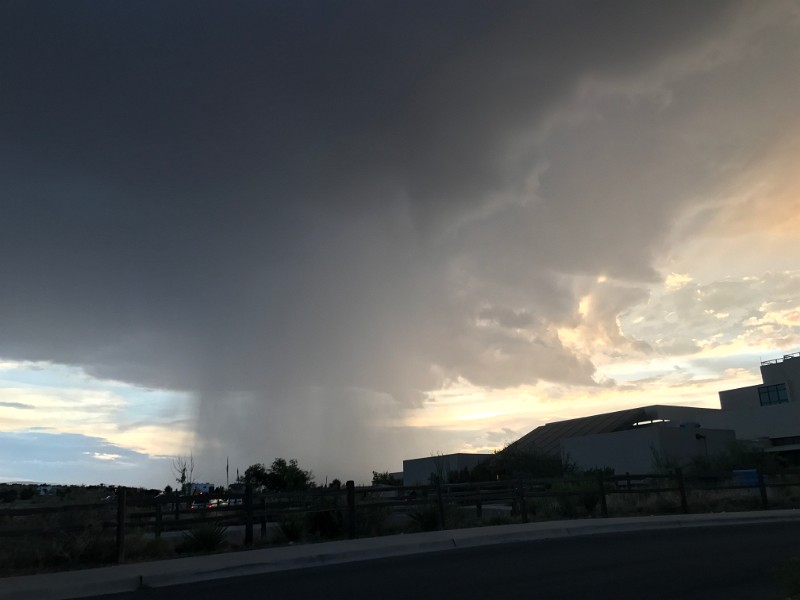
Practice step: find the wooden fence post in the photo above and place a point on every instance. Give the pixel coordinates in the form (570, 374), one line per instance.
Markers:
(121, 513)
(439, 505)
(602, 489)
(263, 517)
(351, 508)
(682, 489)
(248, 514)
(523, 505)
(158, 519)
(762, 488)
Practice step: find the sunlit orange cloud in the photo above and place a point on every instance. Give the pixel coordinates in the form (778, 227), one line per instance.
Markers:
(626, 377)
(468, 408)
(769, 204)
(155, 440)
(752, 226)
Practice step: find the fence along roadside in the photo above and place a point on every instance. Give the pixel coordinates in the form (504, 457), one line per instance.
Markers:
(174, 513)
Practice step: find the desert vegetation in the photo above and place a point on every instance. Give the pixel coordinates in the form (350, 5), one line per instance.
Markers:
(77, 526)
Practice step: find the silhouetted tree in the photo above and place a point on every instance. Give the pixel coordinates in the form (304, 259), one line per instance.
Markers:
(183, 469)
(255, 474)
(281, 476)
(385, 478)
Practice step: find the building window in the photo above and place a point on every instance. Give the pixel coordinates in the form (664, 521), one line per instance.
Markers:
(773, 394)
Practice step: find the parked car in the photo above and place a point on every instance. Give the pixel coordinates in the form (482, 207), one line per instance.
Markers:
(207, 503)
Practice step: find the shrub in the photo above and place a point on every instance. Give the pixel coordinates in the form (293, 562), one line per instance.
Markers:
(145, 548)
(59, 550)
(292, 529)
(542, 508)
(590, 500)
(622, 504)
(97, 549)
(567, 505)
(371, 520)
(724, 500)
(205, 538)
(157, 548)
(25, 555)
(9, 495)
(426, 517)
(326, 521)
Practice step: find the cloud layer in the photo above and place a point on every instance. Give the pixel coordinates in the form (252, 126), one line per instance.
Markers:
(313, 216)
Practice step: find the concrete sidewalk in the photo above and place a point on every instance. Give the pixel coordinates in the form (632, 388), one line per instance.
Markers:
(125, 578)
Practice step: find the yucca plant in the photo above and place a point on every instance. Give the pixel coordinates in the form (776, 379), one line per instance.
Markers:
(205, 538)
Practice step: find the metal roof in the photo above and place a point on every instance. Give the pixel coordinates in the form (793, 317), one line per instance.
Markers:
(547, 438)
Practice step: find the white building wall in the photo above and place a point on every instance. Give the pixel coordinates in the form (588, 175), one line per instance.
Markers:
(740, 398)
(637, 450)
(682, 444)
(752, 422)
(761, 422)
(624, 451)
(780, 370)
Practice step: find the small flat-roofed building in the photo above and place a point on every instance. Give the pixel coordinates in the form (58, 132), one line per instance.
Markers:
(419, 471)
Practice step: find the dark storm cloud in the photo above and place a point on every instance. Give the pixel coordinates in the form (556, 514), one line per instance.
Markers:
(164, 99)
(263, 198)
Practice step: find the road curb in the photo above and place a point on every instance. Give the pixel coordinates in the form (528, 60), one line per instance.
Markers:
(130, 577)
(317, 559)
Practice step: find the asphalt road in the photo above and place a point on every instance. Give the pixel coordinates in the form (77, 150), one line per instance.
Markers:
(729, 562)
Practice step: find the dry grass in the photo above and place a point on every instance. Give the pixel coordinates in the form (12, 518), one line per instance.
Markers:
(73, 540)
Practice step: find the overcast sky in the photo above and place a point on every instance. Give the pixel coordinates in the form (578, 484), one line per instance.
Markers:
(356, 232)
